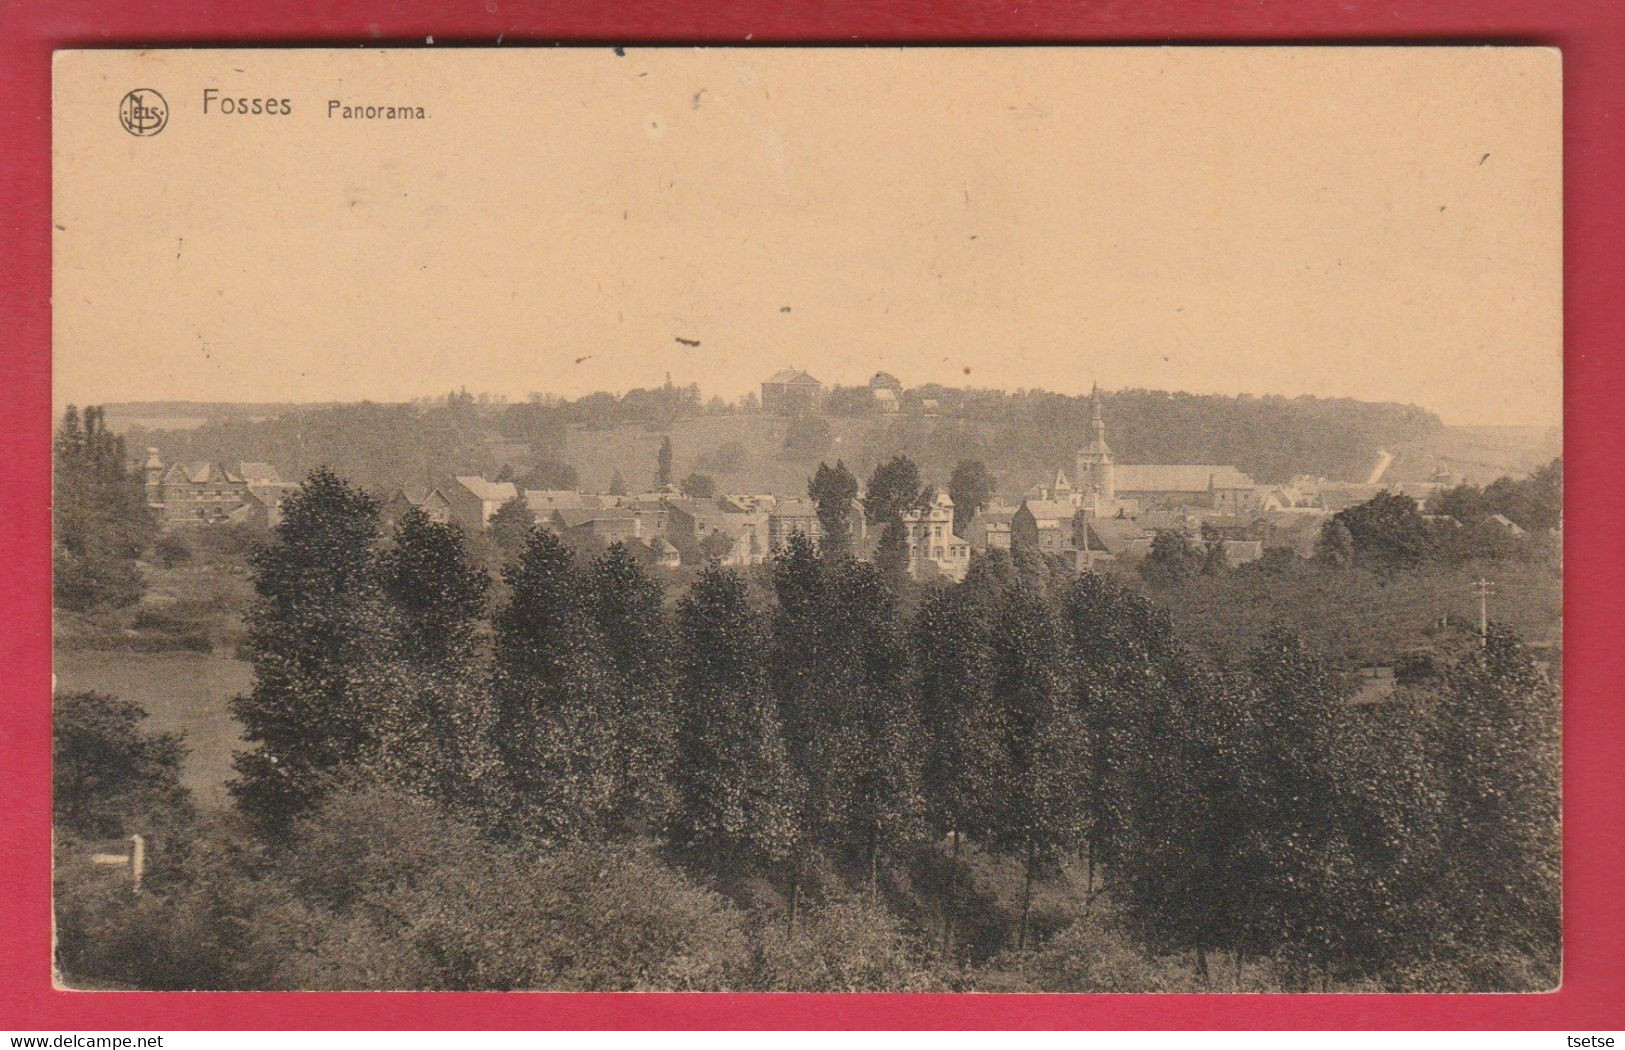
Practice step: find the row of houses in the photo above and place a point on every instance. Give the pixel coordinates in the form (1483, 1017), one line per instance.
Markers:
(663, 528)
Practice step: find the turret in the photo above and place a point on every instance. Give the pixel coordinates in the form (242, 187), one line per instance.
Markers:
(152, 474)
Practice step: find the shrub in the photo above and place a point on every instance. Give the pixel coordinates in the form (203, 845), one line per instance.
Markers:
(840, 945)
(81, 582)
(203, 920)
(108, 773)
(1091, 955)
(172, 551)
(587, 919)
(415, 898)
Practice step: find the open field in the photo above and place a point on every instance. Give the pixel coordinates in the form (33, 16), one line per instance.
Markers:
(1479, 454)
(183, 692)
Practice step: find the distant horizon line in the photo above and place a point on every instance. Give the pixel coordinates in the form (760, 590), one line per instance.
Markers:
(59, 405)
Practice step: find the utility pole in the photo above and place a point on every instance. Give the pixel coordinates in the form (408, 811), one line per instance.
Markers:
(1483, 588)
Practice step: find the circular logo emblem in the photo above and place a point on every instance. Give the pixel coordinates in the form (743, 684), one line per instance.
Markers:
(143, 112)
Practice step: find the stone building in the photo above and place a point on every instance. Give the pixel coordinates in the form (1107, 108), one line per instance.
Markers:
(791, 393)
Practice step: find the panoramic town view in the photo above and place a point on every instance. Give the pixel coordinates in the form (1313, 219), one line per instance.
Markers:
(857, 687)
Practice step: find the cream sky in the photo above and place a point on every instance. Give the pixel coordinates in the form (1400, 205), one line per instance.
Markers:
(1382, 224)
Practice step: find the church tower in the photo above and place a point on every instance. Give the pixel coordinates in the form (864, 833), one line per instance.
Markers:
(1094, 473)
(152, 475)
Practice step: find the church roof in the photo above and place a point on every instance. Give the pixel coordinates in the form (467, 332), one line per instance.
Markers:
(1179, 477)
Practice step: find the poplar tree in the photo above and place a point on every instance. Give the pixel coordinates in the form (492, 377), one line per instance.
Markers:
(99, 517)
(663, 464)
(964, 764)
(738, 795)
(509, 527)
(1120, 642)
(970, 486)
(1297, 796)
(1043, 808)
(637, 641)
(1183, 849)
(555, 727)
(1494, 737)
(426, 697)
(849, 716)
(833, 489)
(894, 491)
(312, 627)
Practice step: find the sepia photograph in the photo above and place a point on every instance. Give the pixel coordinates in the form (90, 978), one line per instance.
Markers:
(808, 519)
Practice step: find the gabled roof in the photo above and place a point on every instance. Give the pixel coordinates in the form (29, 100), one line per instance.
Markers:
(554, 499)
(1114, 534)
(1050, 509)
(574, 516)
(200, 472)
(496, 491)
(413, 494)
(1179, 477)
(256, 473)
(794, 508)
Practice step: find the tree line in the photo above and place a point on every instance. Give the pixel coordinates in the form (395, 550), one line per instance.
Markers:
(1018, 434)
(1043, 716)
(99, 517)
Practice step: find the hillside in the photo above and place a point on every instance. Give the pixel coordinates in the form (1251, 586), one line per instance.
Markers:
(1477, 454)
(1022, 436)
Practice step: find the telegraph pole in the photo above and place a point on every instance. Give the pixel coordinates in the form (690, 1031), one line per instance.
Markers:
(1483, 588)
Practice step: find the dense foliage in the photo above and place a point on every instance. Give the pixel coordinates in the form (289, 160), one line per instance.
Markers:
(1025, 434)
(845, 782)
(99, 518)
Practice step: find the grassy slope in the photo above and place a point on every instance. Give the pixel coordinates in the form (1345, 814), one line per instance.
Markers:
(1358, 618)
(1480, 454)
(182, 692)
(630, 451)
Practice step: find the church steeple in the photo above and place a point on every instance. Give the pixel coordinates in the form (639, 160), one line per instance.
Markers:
(1094, 472)
(1097, 420)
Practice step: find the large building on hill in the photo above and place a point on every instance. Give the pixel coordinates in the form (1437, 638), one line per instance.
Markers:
(791, 393)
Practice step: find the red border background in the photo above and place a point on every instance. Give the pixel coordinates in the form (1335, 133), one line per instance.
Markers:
(1591, 34)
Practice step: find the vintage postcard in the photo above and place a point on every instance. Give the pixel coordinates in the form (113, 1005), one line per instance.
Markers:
(808, 519)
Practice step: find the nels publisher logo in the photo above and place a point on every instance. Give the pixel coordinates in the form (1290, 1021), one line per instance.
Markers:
(143, 112)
